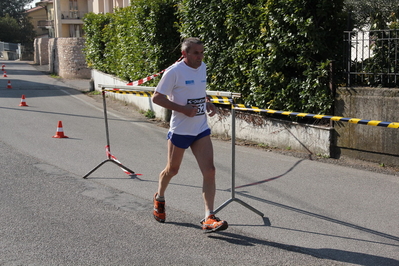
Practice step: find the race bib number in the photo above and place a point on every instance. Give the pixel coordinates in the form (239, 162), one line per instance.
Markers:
(201, 104)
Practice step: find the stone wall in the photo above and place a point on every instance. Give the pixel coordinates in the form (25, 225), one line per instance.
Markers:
(273, 132)
(41, 55)
(372, 143)
(64, 56)
(52, 55)
(71, 60)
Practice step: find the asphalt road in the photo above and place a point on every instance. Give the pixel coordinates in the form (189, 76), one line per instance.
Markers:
(315, 213)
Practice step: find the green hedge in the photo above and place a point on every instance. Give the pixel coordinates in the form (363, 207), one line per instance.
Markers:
(275, 53)
(135, 41)
(94, 26)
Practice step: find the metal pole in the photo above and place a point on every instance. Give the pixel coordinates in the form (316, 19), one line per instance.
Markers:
(106, 122)
(233, 171)
(233, 152)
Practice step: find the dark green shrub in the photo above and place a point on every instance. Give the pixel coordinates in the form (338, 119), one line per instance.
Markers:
(95, 27)
(133, 42)
(276, 53)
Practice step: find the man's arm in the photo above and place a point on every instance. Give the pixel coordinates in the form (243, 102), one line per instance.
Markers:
(210, 107)
(161, 99)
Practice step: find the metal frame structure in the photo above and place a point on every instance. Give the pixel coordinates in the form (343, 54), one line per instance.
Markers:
(233, 167)
(108, 144)
(233, 138)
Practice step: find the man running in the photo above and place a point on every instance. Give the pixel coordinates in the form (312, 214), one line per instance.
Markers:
(182, 89)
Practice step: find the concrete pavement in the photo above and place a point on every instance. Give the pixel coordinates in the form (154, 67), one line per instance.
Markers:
(78, 84)
(329, 211)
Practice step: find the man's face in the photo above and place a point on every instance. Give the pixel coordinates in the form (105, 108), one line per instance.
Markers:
(193, 58)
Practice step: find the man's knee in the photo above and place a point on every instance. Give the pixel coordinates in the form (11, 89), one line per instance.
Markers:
(210, 172)
(171, 171)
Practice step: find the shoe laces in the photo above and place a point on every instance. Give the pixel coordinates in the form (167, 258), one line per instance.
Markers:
(212, 217)
(160, 206)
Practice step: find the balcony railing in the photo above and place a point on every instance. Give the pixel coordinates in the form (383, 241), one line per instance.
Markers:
(73, 14)
(45, 23)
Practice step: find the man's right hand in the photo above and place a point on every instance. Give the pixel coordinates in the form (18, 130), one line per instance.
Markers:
(190, 110)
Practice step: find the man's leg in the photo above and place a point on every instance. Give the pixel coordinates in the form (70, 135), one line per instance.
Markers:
(203, 152)
(175, 157)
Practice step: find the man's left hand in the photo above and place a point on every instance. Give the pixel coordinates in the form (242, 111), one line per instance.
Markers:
(211, 109)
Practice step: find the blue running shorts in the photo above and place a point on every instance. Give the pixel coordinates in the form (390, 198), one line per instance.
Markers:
(185, 141)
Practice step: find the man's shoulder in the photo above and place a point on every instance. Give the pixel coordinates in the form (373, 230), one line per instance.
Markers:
(181, 68)
(175, 67)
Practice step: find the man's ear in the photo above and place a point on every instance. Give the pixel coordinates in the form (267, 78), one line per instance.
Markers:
(184, 53)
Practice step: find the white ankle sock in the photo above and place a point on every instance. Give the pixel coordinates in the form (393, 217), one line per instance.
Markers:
(159, 198)
(208, 213)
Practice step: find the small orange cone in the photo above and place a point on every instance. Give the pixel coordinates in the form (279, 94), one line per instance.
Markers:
(9, 85)
(5, 74)
(60, 131)
(23, 102)
(2, 67)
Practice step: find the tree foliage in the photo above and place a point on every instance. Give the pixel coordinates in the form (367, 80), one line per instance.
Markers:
(373, 14)
(275, 53)
(15, 26)
(8, 26)
(13, 8)
(135, 41)
(15, 31)
(95, 27)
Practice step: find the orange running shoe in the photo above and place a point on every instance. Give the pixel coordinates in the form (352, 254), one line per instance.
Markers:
(159, 210)
(213, 224)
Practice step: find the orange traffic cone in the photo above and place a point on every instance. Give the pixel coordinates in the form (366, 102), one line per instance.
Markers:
(9, 85)
(5, 74)
(2, 67)
(60, 132)
(23, 102)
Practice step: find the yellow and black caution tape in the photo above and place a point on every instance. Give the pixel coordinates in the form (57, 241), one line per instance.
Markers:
(137, 93)
(220, 99)
(334, 118)
(242, 107)
(213, 98)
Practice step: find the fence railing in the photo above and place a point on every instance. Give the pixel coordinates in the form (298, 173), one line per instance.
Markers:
(73, 14)
(371, 58)
(45, 23)
(14, 48)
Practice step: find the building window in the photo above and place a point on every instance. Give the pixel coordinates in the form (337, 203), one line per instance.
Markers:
(73, 9)
(75, 31)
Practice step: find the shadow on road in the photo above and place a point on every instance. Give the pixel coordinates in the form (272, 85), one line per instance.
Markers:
(333, 254)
